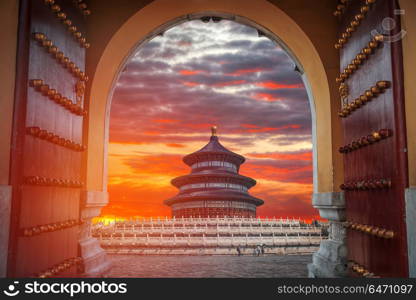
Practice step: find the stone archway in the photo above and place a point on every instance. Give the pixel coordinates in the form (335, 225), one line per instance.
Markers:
(161, 14)
(306, 27)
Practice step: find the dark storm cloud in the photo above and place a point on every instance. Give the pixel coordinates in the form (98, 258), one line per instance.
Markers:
(286, 93)
(239, 44)
(172, 90)
(147, 50)
(247, 60)
(193, 107)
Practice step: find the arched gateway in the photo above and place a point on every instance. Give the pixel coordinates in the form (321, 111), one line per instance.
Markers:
(55, 181)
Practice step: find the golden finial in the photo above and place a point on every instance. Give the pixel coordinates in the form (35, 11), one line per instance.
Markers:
(214, 130)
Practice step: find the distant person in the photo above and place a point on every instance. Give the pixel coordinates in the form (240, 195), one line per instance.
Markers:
(238, 251)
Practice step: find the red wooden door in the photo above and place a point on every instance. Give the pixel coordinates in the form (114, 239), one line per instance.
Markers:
(47, 142)
(374, 153)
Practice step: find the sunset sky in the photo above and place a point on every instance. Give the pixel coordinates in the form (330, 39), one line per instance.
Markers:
(176, 86)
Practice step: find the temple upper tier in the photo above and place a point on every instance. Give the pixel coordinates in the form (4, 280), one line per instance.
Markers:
(214, 187)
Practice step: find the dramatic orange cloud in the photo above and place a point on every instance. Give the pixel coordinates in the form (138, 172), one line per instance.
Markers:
(275, 85)
(276, 173)
(164, 164)
(197, 126)
(218, 84)
(173, 145)
(264, 129)
(254, 128)
(190, 83)
(153, 132)
(284, 156)
(165, 121)
(249, 126)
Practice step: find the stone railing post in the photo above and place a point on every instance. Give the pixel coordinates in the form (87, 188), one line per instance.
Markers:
(94, 257)
(331, 258)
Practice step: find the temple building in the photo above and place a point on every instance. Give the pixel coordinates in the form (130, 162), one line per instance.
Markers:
(214, 188)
